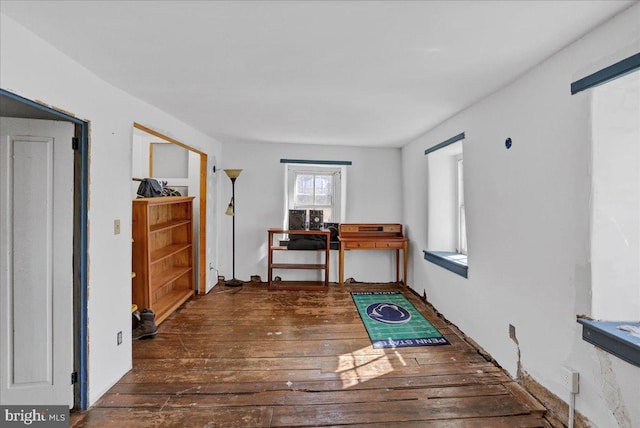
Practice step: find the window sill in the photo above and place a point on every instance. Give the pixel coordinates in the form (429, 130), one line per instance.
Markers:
(454, 262)
(606, 335)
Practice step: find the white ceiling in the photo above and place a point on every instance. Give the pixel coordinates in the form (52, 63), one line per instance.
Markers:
(357, 73)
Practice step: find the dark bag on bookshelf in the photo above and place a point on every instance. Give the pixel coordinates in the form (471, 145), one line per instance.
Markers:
(149, 188)
(307, 242)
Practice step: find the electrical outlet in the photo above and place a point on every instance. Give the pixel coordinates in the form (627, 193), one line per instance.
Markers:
(119, 338)
(116, 227)
(570, 379)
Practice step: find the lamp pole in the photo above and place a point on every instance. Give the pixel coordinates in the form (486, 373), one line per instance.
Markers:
(233, 227)
(233, 175)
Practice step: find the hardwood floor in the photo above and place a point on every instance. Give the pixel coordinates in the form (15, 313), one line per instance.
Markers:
(253, 358)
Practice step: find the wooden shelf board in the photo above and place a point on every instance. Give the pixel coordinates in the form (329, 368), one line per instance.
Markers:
(170, 302)
(169, 275)
(162, 200)
(298, 285)
(168, 225)
(167, 251)
(298, 266)
(284, 248)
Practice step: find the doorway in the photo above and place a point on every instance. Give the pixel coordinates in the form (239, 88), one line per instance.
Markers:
(156, 141)
(32, 131)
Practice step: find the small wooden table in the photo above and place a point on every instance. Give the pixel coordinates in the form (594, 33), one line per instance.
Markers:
(376, 236)
(298, 285)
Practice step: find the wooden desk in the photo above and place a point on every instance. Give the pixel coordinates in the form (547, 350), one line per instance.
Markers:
(377, 236)
(297, 285)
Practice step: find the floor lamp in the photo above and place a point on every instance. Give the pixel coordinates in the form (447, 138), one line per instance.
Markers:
(231, 210)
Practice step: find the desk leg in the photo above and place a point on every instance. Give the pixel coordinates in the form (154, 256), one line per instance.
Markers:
(341, 268)
(327, 258)
(404, 259)
(269, 245)
(398, 267)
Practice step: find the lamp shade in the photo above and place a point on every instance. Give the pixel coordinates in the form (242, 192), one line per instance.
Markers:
(230, 210)
(233, 173)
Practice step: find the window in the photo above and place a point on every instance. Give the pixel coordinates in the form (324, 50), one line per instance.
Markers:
(615, 232)
(615, 208)
(446, 213)
(316, 186)
(461, 220)
(314, 191)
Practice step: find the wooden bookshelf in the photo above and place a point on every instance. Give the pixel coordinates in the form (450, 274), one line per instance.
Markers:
(162, 253)
(297, 285)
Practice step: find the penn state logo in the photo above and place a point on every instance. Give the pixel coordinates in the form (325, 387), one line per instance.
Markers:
(388, 313)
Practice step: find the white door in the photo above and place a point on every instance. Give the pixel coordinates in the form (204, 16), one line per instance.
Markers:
(36, 266)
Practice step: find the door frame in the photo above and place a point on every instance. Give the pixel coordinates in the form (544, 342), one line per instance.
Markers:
(202, 234)
(80, 244)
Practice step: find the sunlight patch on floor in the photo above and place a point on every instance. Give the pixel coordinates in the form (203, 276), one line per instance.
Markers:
(358, 366)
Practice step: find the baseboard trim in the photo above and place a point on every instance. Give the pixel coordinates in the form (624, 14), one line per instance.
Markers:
(557, 409)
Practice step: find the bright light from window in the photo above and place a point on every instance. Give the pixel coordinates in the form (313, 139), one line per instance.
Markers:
(313, 190)
(360, 364)
(462, 227)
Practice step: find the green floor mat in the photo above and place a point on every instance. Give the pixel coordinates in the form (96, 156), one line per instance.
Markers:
(393, 322)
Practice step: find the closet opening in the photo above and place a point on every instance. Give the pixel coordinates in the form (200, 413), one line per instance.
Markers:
(183, 168)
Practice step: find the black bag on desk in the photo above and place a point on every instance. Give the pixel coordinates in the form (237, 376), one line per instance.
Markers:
(149, 188)
(307, 242)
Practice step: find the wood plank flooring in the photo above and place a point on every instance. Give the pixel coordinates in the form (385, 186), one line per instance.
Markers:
(249, 357)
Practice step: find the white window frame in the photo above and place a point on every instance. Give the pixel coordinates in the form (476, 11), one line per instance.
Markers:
(339, 172)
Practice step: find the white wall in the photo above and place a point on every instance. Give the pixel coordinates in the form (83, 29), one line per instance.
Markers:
(373, 196)
(32, 68)
(528, 225)
(139, 158)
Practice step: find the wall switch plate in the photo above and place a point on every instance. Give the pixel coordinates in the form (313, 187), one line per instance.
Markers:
(570, 379)
(116, 227)
(119, 338)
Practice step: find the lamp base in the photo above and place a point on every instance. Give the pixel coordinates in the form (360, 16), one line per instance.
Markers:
(233, 283)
